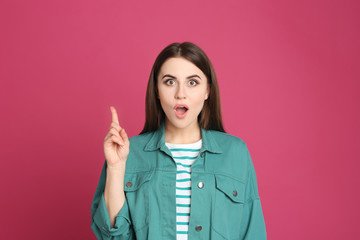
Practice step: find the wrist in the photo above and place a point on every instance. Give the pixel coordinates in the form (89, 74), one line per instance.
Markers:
(119, 165)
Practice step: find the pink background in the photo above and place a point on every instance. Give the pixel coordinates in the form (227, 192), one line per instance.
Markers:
(289, 82)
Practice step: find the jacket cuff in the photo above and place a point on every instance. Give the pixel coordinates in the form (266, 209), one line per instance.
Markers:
(122, 219)
(255, 223)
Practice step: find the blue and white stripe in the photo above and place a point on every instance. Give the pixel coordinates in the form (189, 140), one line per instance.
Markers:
(184, 155)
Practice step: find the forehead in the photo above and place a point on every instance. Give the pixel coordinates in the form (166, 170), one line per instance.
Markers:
(179, 66)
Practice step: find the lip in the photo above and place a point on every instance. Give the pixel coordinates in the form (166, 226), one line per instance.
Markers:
(178, 114)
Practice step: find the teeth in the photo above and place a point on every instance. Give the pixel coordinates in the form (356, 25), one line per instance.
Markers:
(182, 107)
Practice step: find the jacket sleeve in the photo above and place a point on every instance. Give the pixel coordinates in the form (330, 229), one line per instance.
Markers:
(253, 223)
(100, 220)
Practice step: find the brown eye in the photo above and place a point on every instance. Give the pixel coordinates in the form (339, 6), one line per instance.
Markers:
(193, 82)
(170, 82)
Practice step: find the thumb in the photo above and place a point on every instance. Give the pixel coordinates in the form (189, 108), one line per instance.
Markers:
(124, 135)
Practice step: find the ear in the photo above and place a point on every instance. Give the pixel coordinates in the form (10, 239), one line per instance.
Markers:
(207, 93)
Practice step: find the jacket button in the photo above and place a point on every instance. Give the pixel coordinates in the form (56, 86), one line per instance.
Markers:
(200, 184)
(198, 228)
(129, 184)
(202, 154)
(235, 193)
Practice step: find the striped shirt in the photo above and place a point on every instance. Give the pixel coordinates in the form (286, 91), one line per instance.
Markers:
(184, 155)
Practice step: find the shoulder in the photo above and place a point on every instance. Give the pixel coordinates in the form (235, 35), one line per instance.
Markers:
(138, 158)
(226, 140)
(141, 139)
(235, 157)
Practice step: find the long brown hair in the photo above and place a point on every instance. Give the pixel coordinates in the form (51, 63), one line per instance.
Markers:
(210, 116)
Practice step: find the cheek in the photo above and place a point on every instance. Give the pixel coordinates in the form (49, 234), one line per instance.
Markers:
(200, 96)
(165, 101)
(198, 102)
(162, 94)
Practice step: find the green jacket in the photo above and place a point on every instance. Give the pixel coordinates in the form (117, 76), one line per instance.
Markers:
(226, 206)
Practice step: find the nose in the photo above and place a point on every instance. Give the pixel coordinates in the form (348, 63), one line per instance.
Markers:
(180, 93)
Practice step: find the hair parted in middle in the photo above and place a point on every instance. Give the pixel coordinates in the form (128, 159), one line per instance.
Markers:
(210, 116)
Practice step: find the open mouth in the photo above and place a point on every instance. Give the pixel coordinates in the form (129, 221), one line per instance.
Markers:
(181, 110)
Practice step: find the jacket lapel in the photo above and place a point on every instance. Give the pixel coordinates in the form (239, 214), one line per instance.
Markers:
(157, 141)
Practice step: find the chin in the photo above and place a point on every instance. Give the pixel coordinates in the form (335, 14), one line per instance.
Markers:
(181, 123)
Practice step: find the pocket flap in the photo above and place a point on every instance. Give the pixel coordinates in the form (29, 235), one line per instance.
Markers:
(233, 188)
(132, 181)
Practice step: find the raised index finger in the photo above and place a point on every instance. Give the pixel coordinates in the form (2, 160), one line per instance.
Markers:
(114, 115)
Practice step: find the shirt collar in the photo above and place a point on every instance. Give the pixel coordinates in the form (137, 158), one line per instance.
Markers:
(157, 140)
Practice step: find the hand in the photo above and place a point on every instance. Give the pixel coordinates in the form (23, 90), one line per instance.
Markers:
(116, 142)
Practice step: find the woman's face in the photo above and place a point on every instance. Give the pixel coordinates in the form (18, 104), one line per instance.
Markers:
(182, 89)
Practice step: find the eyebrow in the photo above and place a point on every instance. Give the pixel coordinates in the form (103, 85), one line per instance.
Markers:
(191, 76)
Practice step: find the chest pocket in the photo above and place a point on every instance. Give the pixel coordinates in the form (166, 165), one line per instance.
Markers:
(228, 209)
(137, 191)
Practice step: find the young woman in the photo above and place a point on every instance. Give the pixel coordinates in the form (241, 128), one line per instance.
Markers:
(182, 177)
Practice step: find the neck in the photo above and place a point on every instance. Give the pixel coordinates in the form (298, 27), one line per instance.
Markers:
(186, 135)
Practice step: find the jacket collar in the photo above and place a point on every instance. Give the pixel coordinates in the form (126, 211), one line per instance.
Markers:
(157, 140)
